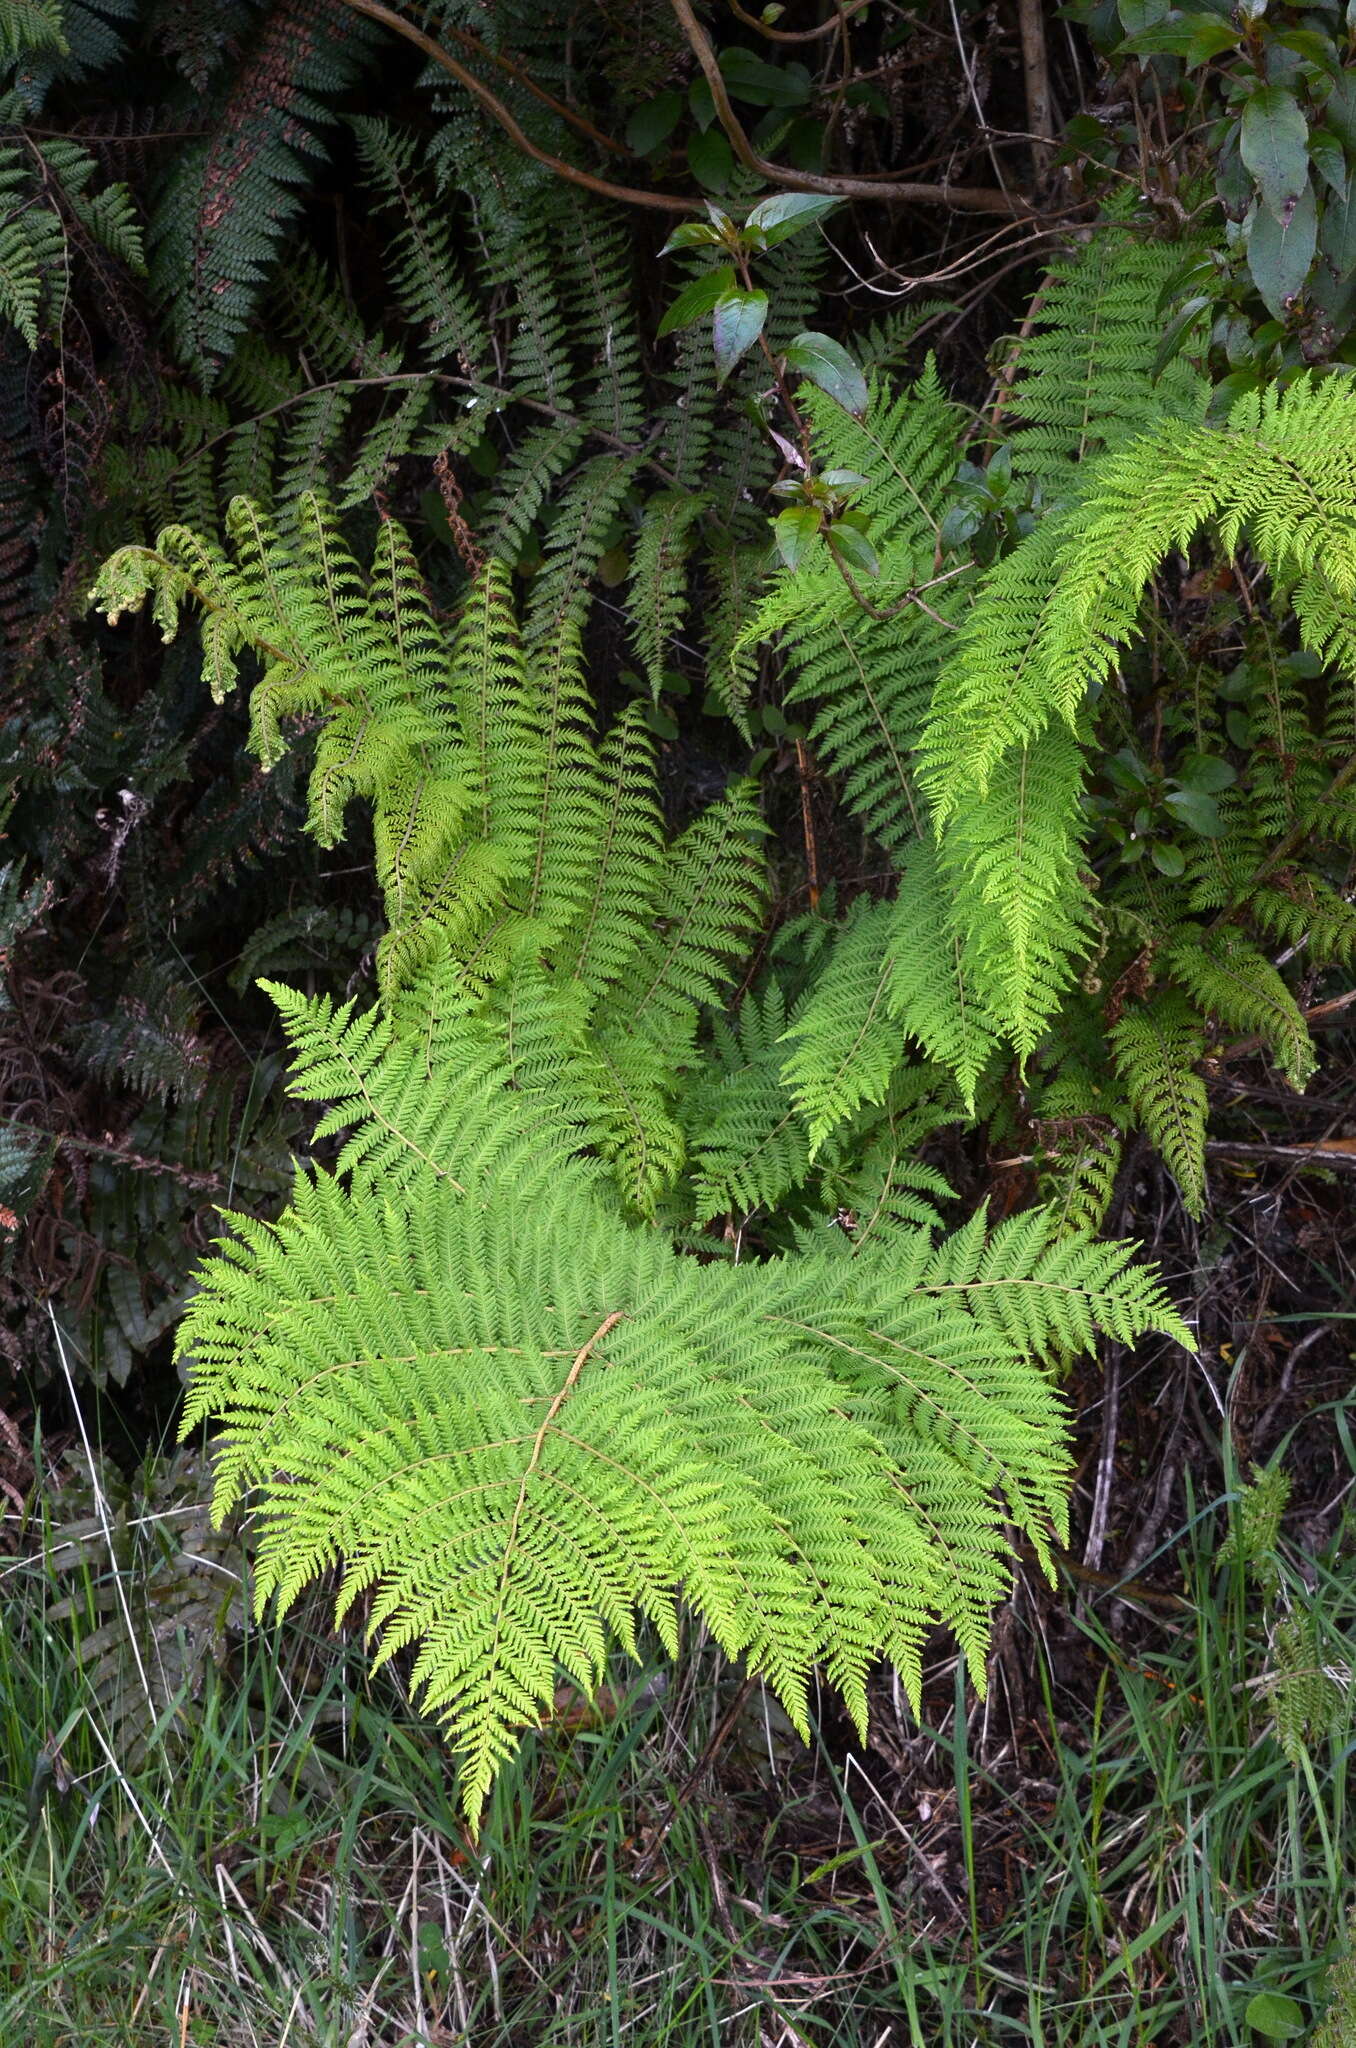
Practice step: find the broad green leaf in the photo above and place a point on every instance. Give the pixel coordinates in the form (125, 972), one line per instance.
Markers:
(794, 531)
(711, 160)
(652, 124)
(1335, 280)
(827, 363)
(1279, 257)
(696, 300)
(1210, 38)
(1195, 38)
(1339, 110)
(775, 220)
(693, 234)
(738, 322)
(850, 547)
(1178, 328)
(1312, 46)
(1278, 2017)
(1207, 771)
(700, 103)
(1138, 15)
(1329, 159)
(1198, 811)
(1275, 147)
(759, 84)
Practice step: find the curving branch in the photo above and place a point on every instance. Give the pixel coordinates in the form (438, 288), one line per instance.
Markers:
(892, 192)
(965, 198)
(629, 195)
(799, 35)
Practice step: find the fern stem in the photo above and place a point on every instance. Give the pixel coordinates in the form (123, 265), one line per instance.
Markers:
(581, 1358)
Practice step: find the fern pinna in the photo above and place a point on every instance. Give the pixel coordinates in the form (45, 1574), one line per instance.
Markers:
(461, 1361)
(984, 721)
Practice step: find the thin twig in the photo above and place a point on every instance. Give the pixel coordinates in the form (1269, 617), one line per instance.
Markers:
(1319, 1155)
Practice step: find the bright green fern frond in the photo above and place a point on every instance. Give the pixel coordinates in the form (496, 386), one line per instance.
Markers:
(931, 990)
(499, 717)
(607, 877)
(521, 1425)
(872, 679)
(749, 1149)
(1019, 905)
(993, 690)
(1050, 618)
(707, 901)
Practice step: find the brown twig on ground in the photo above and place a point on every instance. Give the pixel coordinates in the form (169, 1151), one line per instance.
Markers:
(1337, 1155)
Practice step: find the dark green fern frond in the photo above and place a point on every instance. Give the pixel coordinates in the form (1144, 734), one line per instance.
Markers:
(845, 1039)
(224, 210)
(1156, 1048)
(1230, 979)
(1305, 910)
(656, 599)
(421, 259)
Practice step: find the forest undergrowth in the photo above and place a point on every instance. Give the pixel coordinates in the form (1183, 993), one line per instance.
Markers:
(677, 746)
